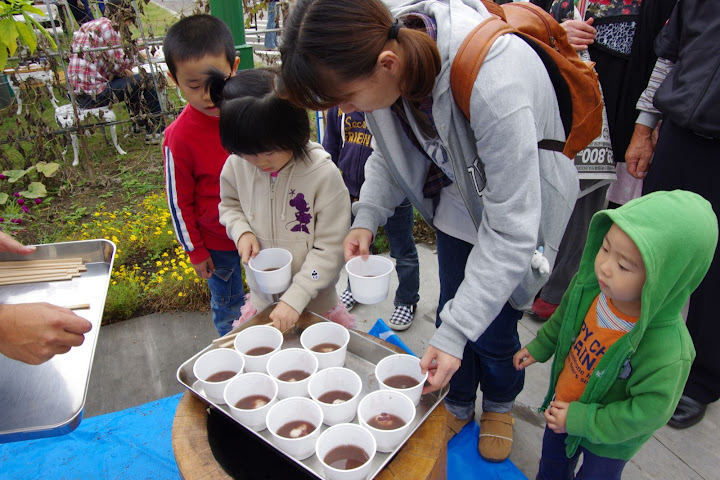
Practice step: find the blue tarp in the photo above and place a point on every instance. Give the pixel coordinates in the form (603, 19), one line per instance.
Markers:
(465, 463)
(382, 331)
(130, 444)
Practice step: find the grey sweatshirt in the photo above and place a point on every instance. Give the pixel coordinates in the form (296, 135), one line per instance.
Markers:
(518, 197)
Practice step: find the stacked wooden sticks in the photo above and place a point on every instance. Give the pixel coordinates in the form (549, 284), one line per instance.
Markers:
(31, 271)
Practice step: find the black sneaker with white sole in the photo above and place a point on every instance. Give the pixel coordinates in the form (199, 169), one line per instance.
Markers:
(402, 317)
(348, 300)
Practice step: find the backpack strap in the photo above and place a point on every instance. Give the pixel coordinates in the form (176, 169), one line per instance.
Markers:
(470, 57)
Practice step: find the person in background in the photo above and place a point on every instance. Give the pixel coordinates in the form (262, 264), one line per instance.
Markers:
(684, 90)
(194, 157)
(279, 189)
(101, 77)
(347, 140)
(33, 333)
(621, 351)
(491, 194)
(617, 36)
(273, 8)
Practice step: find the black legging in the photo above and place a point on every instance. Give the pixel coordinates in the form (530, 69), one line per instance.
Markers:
(690, 162)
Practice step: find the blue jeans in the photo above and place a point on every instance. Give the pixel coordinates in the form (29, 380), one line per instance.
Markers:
(271, 37)
(227, 295)
(555, 465)
(399, 231)
(486, 362)
(139, 96)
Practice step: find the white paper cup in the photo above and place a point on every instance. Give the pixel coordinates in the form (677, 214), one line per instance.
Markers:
(386, 401)
(271, 269)
(336, 378)
(258, 336)
(342, 435)
(288, 360)
(401, 364)
(326, 332)
(291, 410)
(214, 361)
(369, 279)
(246, 385)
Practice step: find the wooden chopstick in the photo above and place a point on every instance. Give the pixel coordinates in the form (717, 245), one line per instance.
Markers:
(228, 340)
(79, 306)
(32, 271)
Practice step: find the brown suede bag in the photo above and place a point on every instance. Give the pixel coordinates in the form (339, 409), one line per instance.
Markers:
(575, 81)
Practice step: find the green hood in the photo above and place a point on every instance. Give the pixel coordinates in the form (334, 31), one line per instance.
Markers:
(676, 233)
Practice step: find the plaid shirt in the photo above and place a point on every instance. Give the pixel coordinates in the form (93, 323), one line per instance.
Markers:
(90, 72)
(436, 180)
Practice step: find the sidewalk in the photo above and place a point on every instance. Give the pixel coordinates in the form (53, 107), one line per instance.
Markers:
(136, 360)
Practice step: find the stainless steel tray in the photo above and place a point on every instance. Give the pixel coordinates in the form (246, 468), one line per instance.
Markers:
(48, 399)
(362, 356)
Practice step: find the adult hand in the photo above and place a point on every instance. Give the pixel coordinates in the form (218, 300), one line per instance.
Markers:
(35, 332)
(523, 359)
(284, 316)
(440, 366)
(9, 244)
(357, 242)
(580, 34)
(556, 416)
(205, 268)
(248, 246)
(640, 151)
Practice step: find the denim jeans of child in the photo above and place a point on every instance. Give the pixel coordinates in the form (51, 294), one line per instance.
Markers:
(555, 465)
(227, 295)
(399, 231)
(272, 22)
(486, 362)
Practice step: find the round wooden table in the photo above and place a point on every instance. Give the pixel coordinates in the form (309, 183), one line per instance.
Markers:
(424, 455)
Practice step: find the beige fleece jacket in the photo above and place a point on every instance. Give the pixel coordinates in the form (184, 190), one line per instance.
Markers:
(305, 209)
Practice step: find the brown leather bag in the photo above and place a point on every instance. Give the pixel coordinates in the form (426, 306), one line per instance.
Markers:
(575, 82)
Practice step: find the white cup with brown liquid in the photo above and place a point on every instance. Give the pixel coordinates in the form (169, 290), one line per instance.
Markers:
(271, 269)
(388, 415)
(328, 341)
(346, 452)
(257, 344)
(337, 391)
(292, 369)
(215, 368)
(249, 397)
(402, 373)
(369, 278)
(294, 424)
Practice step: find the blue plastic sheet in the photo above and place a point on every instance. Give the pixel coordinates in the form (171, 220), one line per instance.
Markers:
(130, 444)
(465, 463)
(382, 331)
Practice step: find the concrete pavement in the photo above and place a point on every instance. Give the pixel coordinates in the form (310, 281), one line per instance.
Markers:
(136, 361)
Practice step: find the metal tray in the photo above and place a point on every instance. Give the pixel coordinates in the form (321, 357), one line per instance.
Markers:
(362, 356)
(48, 399)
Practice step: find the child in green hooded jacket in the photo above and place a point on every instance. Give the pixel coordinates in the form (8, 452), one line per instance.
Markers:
(621, 350)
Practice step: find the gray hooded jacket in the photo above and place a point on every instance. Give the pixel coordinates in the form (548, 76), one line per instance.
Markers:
(518, 197)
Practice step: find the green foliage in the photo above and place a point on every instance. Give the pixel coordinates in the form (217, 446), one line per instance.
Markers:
(13, 31)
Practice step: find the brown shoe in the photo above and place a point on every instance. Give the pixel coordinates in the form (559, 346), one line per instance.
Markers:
(496, 436)
(454, 424)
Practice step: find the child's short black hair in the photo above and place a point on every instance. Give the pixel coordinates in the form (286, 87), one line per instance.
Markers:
(195, 36)
(253, 118)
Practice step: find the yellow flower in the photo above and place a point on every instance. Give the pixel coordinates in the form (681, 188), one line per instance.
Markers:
(180, 294)
(158, 263)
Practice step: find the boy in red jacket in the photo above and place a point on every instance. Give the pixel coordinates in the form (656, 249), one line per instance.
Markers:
(194, 158)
